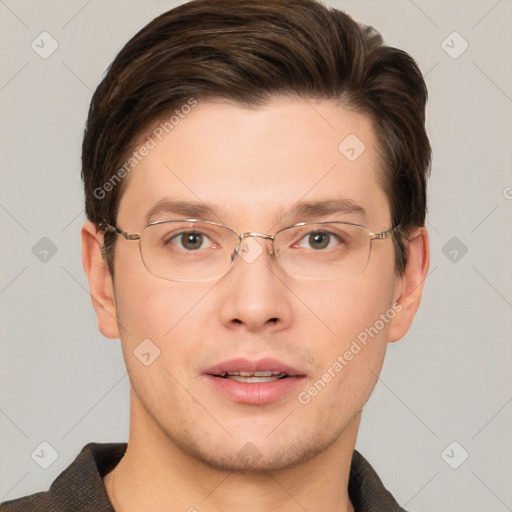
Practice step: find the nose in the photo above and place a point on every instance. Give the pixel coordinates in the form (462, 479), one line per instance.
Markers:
(255, 293)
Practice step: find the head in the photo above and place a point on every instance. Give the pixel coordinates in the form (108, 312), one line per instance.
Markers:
(245, 105)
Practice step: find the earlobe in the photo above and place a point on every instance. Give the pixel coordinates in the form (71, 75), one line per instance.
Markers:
(101, 286)
(410, 285)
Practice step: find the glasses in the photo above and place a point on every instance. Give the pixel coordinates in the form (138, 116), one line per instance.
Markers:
(197, 250)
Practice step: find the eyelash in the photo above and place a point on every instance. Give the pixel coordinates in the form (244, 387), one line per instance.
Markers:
(304, 236)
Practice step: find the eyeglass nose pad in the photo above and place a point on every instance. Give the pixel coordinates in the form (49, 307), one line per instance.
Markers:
(234, 254)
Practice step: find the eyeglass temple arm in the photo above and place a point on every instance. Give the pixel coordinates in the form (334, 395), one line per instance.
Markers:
(114, 229)
(384, 234)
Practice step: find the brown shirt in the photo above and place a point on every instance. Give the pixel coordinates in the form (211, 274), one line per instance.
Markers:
(80, 488)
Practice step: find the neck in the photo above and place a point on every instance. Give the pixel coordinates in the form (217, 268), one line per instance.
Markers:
(156, 474)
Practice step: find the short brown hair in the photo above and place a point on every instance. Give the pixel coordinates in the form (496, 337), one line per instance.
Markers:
(248, 51)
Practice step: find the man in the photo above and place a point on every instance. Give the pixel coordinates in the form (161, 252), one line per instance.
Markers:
(254, 175)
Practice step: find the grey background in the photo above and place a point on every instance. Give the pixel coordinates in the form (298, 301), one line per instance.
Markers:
(448, 380)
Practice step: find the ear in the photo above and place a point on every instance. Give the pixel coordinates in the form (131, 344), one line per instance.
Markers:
(101, 286)
(410, 284)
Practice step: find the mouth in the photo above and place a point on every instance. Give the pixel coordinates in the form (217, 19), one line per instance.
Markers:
(247, 370)
(252, 377)
(254, 382)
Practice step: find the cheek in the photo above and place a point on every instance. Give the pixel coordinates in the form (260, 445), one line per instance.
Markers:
(156, 333)
(347, 307)
(159, 317)
(148, 306)
(355, 317)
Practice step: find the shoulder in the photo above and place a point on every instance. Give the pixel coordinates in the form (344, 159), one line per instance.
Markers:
(366, 490)
(34, 502)
(78, 487)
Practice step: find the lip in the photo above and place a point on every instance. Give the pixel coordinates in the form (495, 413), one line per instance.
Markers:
(247, 365)
(257, 393)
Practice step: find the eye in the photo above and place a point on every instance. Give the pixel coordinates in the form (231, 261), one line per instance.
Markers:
(189, 240)
(319, 240)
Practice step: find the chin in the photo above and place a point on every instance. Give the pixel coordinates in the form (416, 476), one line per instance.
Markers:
(256, 455)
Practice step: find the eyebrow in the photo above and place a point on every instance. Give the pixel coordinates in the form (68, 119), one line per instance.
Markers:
(328, 207)
(186, 209)
(303, 210)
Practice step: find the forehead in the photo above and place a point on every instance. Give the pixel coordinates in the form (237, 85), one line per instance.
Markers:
(258, 163)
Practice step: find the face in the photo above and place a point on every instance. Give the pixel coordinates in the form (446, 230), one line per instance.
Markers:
(327, 336)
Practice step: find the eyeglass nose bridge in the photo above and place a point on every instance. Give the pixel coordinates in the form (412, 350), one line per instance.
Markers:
(243, 236)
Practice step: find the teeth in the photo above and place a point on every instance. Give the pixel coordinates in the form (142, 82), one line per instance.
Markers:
(251, 379)
(267, 376)
(254, 374)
